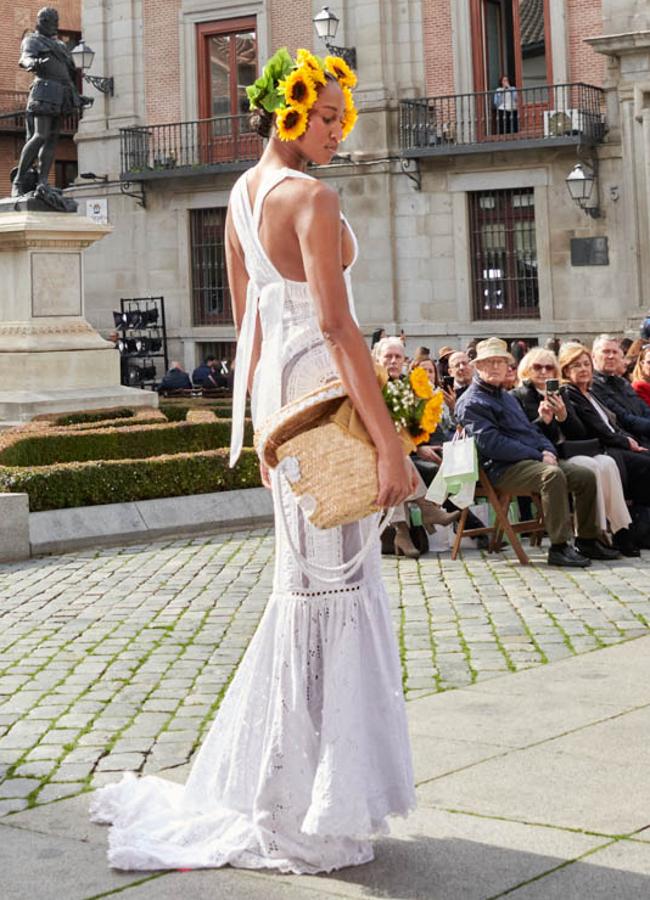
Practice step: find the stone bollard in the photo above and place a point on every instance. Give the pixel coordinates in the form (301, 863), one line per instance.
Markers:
(14, 527)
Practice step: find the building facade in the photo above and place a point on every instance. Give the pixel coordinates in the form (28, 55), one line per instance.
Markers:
(456, 190)
(18, 19)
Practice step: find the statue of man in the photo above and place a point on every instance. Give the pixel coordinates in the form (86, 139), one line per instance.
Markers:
(53, 95)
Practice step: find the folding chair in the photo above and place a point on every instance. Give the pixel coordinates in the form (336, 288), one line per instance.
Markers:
(500, 503)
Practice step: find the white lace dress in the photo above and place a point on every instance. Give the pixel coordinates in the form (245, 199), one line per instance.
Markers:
(309, 751)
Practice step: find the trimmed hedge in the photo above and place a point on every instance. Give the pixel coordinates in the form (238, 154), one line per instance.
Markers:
(46, 449)
(177, 413)
(98, 415)
(114, 481)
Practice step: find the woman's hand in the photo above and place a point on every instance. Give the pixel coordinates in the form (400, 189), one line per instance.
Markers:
(546, 412)
(397, 478)
(559, 407)
(429, 453)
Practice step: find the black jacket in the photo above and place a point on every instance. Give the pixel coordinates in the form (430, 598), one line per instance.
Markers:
(569, 430)
(592, 423)
(618, 395)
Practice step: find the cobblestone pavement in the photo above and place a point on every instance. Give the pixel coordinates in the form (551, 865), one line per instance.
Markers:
(117, 659)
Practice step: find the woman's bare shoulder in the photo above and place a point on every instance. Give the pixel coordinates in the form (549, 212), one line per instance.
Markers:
(314, 197)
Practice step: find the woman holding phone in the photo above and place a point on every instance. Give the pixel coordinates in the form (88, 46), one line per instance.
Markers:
(540, 398)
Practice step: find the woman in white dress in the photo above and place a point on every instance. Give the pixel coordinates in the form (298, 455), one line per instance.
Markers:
(309, 753)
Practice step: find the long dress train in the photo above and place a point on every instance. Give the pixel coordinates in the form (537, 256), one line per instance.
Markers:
(309, 751)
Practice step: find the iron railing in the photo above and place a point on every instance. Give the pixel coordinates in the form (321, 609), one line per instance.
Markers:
(460, 123)
(12, 113)
(181, 148)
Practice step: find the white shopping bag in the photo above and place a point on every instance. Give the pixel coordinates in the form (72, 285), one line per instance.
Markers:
(458, 474)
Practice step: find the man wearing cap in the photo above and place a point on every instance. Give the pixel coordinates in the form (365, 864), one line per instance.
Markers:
(443, 360)
(517, 457)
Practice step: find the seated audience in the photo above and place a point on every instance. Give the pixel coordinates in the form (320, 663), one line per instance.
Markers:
(641, 375)
(205, 375)
(176, 379)
(601, 423)
(390, 354)
(615, 392)
(558, 422)
(460, 369)
(518, 458)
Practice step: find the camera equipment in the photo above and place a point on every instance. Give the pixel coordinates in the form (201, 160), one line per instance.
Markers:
(448, 382)
(552, 386)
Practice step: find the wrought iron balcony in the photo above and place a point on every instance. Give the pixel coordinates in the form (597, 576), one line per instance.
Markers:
(12, 114)
(224, 143)
(549, 115)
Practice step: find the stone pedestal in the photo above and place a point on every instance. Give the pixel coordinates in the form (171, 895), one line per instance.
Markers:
(51, 358)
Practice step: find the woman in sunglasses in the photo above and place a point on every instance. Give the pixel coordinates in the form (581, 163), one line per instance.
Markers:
(539, 374)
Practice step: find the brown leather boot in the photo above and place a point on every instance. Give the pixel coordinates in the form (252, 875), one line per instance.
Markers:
(404, 546)
(433, 515)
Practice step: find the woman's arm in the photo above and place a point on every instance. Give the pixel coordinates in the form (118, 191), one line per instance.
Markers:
(318, 228)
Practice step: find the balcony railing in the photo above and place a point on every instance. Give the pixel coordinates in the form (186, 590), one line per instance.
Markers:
(225, 143)
(12, 114)
(549, 115)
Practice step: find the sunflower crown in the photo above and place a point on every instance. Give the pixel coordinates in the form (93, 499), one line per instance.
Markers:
(289, 88)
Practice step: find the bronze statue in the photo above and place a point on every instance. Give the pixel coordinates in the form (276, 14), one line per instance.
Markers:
(53, 95)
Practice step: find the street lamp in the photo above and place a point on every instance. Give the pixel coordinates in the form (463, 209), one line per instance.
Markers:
(83, 57)
(580, 183)
(326, 24)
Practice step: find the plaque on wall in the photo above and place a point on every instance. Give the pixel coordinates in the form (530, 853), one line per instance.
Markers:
(589, 251)
(56, 284)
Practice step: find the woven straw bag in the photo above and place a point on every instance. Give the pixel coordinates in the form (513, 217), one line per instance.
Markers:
(332, 472)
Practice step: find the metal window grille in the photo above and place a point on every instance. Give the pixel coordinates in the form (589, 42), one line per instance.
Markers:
(504, 254)
(210, 293)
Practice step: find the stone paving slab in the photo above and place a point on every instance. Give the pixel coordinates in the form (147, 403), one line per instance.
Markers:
(530, 822)
(620, 871)
(117, 658)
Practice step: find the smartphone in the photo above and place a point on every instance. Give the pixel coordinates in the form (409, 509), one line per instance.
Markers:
(448, 382)
(552, 386)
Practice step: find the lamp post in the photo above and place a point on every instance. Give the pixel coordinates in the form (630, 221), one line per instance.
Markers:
(326, 24)
(83, 56)
(580, 183)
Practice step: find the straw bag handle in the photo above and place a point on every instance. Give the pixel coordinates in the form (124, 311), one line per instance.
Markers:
(331, 574)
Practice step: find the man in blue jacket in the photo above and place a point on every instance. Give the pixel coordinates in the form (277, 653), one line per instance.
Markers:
(517, 457)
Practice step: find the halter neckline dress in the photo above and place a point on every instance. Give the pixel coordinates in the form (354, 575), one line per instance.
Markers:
(309, 752)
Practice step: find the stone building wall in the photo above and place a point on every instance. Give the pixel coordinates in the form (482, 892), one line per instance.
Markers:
(414, 269)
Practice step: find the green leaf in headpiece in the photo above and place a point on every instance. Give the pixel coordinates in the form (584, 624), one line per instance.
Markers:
(264, 92)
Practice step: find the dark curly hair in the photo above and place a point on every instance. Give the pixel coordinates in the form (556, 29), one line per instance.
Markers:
(261, 121)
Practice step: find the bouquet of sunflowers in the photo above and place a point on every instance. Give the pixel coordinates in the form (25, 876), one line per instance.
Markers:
(415, 406)
(289, 88)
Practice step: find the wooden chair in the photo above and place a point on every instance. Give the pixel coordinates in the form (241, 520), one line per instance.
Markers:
(500, 503)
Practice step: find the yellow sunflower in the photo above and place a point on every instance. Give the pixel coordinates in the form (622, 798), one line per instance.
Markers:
(309, 62)
(341, 71)
(298, 90)
(420, 438)
(350, 115)
(290, 123)
(421, 384)
(432, 413)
